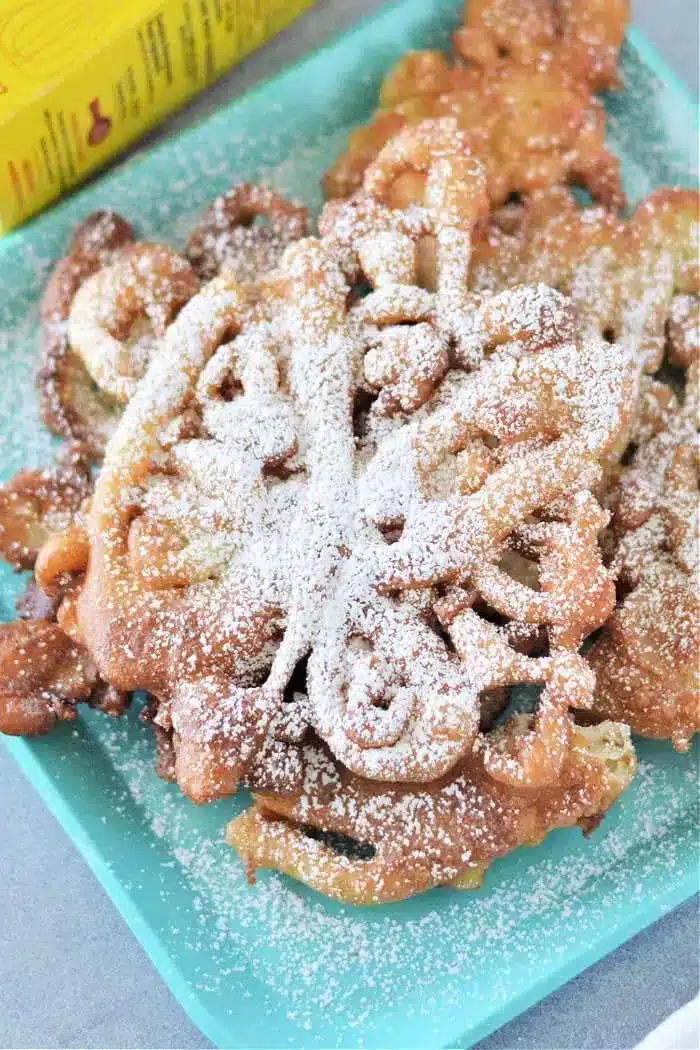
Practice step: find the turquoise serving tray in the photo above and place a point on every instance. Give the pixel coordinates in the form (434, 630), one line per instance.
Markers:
(277, 965)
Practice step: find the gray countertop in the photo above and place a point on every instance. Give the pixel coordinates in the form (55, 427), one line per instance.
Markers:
(71, 973)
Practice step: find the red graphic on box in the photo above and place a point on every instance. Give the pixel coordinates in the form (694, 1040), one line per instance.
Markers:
(100, 124)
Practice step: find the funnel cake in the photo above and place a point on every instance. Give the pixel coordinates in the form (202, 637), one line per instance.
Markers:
(360, 489)
(240, 525)
(367, 843)
(532, 127)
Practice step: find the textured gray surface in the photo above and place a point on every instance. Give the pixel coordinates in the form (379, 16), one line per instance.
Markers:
(71, 973)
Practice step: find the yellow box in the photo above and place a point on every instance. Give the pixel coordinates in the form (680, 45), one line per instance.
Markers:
(81, 79)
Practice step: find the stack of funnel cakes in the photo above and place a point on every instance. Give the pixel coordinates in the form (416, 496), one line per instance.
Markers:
(362, 488)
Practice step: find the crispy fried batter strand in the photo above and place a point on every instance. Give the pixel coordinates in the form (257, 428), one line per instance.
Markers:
(70, 405)
(228, 238)
(119, 315)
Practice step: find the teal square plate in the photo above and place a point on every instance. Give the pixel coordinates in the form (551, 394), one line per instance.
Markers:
(277, 965)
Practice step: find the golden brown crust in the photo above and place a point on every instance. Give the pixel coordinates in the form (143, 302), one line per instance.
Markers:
(63, 556)
(414, 837)
(646, 662)
(119, 315)
(131, 288)
(93, 242)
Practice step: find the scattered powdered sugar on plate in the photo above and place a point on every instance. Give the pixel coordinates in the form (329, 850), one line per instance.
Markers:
(655, 137)
(26, 441)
